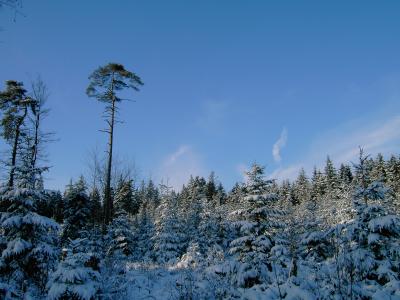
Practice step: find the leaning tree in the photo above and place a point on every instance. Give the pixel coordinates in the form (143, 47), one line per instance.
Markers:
(105, 83)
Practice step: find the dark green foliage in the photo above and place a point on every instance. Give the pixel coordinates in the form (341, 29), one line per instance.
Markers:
(211, 187)
(345, 174)
(378, 171)
(331, 178)
(114, 75)
(77, 211)
(15, 105)
(125, 200)
(301, 188)
(152, 194)
(318, 184)
(58, 211)
(95, 207)
(11, 99)
(51, 205)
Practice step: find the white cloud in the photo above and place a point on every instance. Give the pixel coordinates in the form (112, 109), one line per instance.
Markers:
(342, 145)
(179, 165)
(279, 144)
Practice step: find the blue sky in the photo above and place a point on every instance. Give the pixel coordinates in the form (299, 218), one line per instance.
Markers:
(225, 81)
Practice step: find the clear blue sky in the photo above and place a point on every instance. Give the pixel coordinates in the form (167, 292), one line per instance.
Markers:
(224, 80)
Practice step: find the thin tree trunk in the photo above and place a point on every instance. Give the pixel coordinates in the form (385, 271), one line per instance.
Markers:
(107, 192)
(36, 141)
(15, 148)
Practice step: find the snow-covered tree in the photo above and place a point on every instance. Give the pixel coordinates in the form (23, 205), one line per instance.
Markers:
(192, 200)
(393, 179)
(258, 221)
(144, 230)
(152, 195)
(375, 235)
(120, 238)
(220, 196)
(314, 244)
(378, 170)
(345, 174)
(331, 177)
(367, 258)
(169, 238)
(120, 243)
(29, 239)
(124, 197)
(301, 188)
(77, 211)
(211, 187)
(318, 186)
(211, 229)
(77, 276)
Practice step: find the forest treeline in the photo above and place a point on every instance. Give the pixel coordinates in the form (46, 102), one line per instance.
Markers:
(332, 234)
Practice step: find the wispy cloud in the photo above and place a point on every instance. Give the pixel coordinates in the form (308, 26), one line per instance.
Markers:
(279, 144)
(342, 145)
(172, 158)
(179, 165)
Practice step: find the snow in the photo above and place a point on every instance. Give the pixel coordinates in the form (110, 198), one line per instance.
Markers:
(16, 247)
(85, 291)
(389, 222)
(30, 218)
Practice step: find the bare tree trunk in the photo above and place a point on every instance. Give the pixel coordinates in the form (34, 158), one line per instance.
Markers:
(35, 142)
(40, 93)
(107, 192)
(15, 148)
